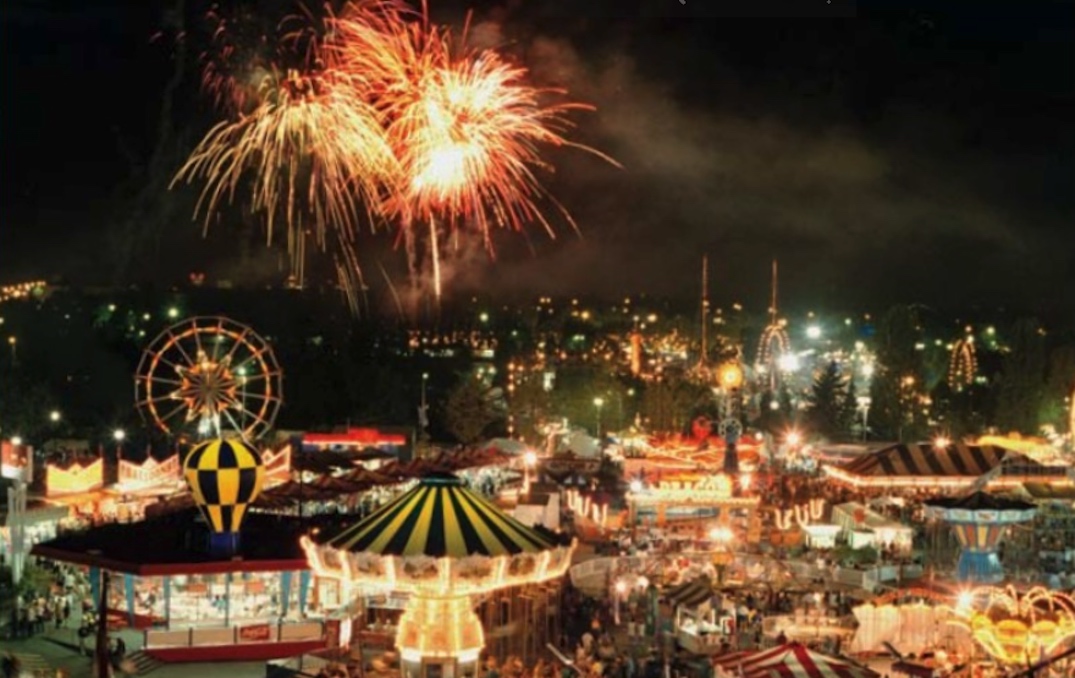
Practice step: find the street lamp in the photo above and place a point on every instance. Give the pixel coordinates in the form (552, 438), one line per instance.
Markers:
(119, 435)
(16, 441)
(55, 416)
(598, 402)
(864, 407)
(423, 407)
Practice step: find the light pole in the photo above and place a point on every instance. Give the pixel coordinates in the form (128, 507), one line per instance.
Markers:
(599, 403)
(423, 406)
(864, 407)
(119, 435)
(13, 342)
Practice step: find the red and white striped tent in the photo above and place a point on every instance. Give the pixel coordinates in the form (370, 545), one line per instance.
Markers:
(792, 660)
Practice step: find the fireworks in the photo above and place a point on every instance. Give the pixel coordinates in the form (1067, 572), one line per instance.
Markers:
(391, 124)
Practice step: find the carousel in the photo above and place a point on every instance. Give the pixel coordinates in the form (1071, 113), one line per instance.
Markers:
(442, 546)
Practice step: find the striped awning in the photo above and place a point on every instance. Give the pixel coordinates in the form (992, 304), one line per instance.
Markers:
(792, 660)
(440, 517)
(690, 594)
(925, 459)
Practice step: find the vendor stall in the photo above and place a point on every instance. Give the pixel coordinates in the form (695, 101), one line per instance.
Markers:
(700, 628)
(862, 527)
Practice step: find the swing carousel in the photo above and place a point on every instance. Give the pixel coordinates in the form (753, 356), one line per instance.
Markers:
(443, 546)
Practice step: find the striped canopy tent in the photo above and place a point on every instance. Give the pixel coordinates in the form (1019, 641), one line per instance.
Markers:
(921, 465)
(690, 594)
(440, 535)
(792, 660)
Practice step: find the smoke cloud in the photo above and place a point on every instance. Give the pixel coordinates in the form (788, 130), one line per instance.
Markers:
(856, 213)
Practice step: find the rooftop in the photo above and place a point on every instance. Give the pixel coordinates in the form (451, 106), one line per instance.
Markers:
(176, 544)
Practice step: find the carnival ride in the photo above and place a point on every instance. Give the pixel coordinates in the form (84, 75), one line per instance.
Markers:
(979, 521)
(1017, 628)
(209, 377)
(963, 363)
(443, 546)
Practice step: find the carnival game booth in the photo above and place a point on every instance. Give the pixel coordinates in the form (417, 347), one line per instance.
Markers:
(445, 550)
(700, 628)
(259, 603)
(953, 468)
(695, 503)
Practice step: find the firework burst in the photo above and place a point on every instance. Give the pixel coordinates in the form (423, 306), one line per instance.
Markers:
(467, 130)
(384, 121)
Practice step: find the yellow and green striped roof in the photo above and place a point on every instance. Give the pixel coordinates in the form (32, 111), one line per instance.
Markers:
(439, 517)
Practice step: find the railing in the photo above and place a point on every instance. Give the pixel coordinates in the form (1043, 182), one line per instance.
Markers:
(235, 635)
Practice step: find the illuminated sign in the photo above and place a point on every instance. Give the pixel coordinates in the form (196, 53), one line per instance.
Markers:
(150, 472)
(277, 465)
(75, 479)
(16, 461)
(355, 437)
(705, 488)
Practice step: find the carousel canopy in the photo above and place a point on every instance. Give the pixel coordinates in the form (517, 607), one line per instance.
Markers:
(440, 517)
(791, 659)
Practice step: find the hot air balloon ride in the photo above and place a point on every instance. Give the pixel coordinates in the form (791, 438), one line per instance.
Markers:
(225, 476)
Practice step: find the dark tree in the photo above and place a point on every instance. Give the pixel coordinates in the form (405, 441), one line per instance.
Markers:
(895, 391)
(1021, 384)
(530, 404)
(826, 403)
(470, 410)
(1060, 388)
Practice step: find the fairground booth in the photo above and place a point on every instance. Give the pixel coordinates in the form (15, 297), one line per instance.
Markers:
(196, 589)
(695, 505)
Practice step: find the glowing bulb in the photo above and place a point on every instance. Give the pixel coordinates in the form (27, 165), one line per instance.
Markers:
(636, 485)
(813, 332)
(793, 438)
(789, 362)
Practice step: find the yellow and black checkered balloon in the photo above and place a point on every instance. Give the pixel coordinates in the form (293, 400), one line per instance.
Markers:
(225, 476)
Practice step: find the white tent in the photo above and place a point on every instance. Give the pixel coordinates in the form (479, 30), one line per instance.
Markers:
(856, 517)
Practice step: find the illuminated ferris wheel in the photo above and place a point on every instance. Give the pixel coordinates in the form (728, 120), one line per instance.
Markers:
(209, 377)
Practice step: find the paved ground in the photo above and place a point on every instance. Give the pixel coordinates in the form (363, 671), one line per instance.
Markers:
(44, 652)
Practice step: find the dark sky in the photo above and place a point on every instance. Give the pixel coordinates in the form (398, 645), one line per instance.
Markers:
(902, 155)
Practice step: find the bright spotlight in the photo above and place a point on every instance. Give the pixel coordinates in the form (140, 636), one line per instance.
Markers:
(813, 332)
(636, 485)
(789, 362)
(941, 442)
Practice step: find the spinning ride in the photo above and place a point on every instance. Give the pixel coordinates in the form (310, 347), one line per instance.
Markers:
(209, 376)
(979, 521)
(443, 545)
(1017, 628)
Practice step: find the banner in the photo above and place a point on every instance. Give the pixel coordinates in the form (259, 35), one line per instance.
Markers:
(150, 472)
(256, 633)
(74, 479)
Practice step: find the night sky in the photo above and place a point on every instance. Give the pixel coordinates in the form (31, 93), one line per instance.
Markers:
(902, 155)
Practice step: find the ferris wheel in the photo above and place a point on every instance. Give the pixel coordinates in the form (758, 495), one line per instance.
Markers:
(209, 377)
